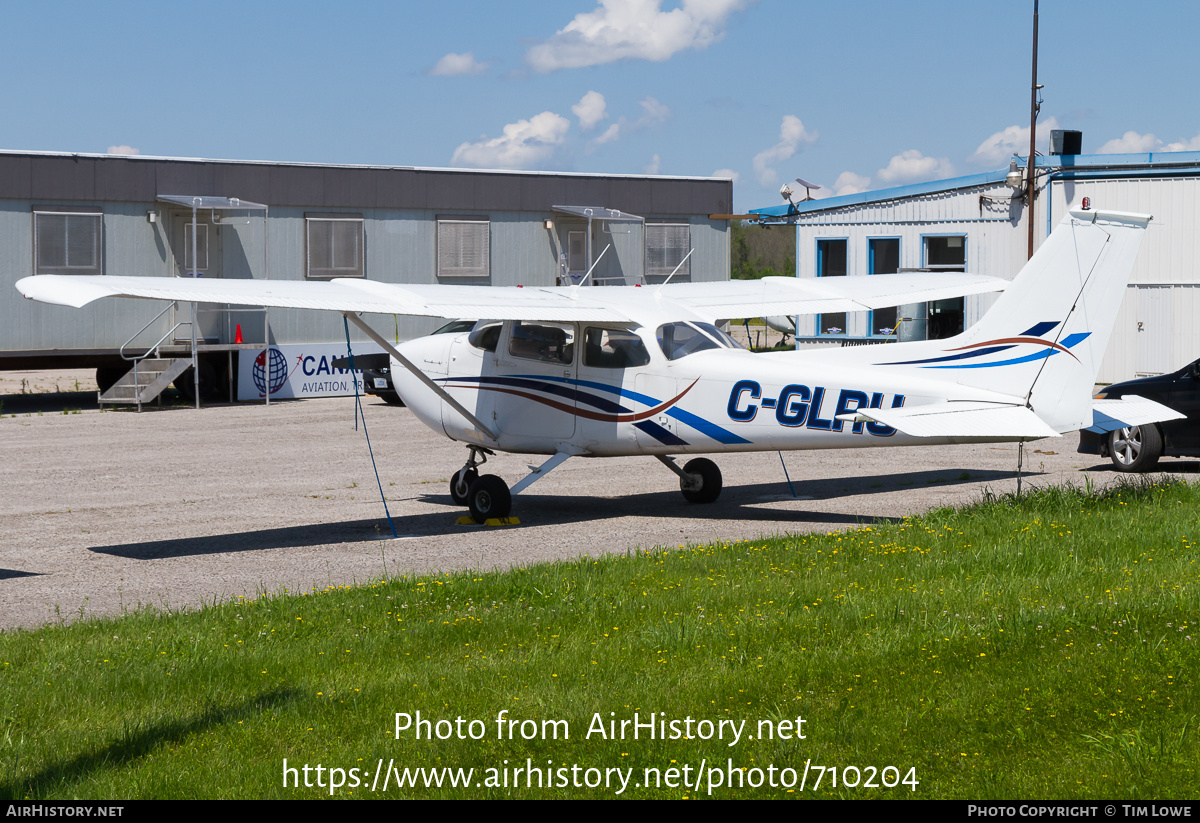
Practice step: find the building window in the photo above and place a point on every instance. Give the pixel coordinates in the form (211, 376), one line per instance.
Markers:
(576, 252)
(884, 258)
(666, 245)
(67, 242)
(946, 254)
(201, 247)
(335, 246)
(463, 247)
(831, 262)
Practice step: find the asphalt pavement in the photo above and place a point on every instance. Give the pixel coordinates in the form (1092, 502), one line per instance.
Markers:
(109, 511)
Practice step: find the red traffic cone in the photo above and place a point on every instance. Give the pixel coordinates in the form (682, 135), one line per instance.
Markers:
(237, 338)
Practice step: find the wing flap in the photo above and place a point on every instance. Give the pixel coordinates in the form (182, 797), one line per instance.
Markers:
(1131, 410)
(960, 420)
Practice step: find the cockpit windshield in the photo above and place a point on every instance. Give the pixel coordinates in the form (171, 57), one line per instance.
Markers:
(681, 339)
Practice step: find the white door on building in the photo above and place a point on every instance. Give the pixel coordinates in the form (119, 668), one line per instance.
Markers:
(201, 260)
(1154, 330)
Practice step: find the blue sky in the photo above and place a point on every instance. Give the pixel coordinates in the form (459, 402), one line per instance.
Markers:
(850, 95)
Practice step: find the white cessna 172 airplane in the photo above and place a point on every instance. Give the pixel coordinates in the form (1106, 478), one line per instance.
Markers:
(595, 372)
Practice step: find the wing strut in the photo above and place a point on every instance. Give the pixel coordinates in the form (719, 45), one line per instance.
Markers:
(406, 363)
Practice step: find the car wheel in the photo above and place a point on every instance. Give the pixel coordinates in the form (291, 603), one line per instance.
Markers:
(460, 485)
(489, 498)
(708, 488)
(1136, 448)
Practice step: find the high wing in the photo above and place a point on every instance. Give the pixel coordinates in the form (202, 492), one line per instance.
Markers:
(344, 295)
(704, 301)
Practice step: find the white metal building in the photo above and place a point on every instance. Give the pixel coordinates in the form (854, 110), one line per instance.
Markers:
(978, 224)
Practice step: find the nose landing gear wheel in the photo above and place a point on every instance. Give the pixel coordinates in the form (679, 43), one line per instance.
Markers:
(489, 497)
(460, 485)
(705, 487)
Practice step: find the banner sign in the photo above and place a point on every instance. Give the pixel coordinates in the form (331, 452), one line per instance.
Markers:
(296, 371)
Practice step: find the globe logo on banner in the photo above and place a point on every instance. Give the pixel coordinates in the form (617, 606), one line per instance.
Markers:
(278, 371)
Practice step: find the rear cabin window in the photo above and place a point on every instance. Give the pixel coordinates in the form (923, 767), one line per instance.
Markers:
(613, 349)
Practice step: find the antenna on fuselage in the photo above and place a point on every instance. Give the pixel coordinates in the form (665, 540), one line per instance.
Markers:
(677, 268)
(593, 268)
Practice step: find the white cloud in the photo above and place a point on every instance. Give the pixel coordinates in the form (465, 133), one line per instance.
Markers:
(730, 173)
(792, 135)
(1001, 146)
(652, 112)
(654, 165)
(850, 183)
(524, 144)
(590, 110)
(1184, 145)
(122, 150)
(457, 65)
(610, 134)
(633, 29)
(1131, 143)
(912, 165)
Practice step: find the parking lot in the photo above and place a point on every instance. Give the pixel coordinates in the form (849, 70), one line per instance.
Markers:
(105, 511)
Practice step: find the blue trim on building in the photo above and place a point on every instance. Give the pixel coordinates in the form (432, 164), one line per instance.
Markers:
(1152, 162)
(896, 193)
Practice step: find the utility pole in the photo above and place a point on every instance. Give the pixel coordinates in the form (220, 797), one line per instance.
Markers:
(1034, 107)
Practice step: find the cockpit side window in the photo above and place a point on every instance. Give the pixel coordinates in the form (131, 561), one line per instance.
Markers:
(613, 349)
(550, 343)
(485, 336)
(681, 339)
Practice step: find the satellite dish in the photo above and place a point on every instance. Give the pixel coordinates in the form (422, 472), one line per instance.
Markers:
(786, 191)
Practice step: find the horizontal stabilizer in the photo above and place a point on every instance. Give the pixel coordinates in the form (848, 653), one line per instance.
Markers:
(1131, 410)
(960, 420)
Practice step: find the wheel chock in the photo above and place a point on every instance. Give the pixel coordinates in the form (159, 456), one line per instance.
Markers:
(467, 520)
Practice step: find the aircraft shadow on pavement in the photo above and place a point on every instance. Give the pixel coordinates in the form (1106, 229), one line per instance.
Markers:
(8, 574)
(737, 503)
(49, 402)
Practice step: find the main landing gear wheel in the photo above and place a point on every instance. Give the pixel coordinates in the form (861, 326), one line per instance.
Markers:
(705, 485)
(1136, 448)
(489, 497)
(460, 485)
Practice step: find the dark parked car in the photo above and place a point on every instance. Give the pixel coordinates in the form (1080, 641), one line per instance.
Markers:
(1137, 448)
(379, 383)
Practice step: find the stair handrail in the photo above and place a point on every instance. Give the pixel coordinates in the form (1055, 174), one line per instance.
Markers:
(154, 349)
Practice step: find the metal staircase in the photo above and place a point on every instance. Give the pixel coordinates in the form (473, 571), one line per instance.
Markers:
(149, 376)
(145, 381)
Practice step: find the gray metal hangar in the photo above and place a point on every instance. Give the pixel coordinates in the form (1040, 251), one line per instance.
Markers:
(165, 217)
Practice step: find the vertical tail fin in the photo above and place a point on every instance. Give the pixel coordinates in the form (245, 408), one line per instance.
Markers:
(1044, 338)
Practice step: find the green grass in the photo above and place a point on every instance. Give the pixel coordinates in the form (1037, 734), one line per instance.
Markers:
(1041, 647)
